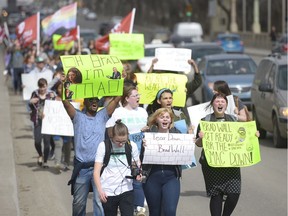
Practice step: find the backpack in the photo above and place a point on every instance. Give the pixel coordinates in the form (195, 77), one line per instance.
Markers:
(108, 152)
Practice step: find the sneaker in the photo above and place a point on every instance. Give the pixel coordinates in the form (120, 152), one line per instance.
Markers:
(40, 161)
(140, 211)
(45, 165)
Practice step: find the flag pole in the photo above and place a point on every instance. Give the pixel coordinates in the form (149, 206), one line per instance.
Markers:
(132, 20)
(78, 37)
(38, 34)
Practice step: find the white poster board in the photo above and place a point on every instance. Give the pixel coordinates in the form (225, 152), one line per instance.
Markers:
(168, 148)
(30, 82)
(56, 120)
(199, 111)
(173, 59)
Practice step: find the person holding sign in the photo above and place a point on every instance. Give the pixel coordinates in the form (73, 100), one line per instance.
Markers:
(162, 186)
(36, 105)
(135, 118)
(114, 177)
(220, 181)
(89, 131)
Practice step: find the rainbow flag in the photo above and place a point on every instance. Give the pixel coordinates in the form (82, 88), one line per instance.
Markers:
(64, 17)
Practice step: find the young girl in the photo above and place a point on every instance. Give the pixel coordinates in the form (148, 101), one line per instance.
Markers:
(114, 188)
(162, 187)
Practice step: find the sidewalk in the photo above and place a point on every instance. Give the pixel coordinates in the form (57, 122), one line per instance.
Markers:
(8, 186)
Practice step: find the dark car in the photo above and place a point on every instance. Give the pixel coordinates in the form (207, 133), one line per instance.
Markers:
(237, 70)
(281, 46)
(201, 49)
(269, 98)
(231, 43)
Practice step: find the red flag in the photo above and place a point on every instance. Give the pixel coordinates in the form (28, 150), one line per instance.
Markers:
(69, 36)
(27, 31)
(125, 26)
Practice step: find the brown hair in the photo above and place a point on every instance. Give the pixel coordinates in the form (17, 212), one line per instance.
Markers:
(42, 82)
(119, 129)
(127, 90)
(153, 118)
(76, 71)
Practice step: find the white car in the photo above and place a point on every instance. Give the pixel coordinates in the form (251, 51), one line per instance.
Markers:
(91, 16)
(149, 53)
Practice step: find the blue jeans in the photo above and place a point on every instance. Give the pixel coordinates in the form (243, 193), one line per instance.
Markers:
(139, 196)
(162, 191)
(81, 191)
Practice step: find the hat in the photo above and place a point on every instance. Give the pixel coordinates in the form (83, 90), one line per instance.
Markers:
(39, 59)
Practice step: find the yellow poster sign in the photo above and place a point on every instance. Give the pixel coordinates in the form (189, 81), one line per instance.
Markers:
(56, 46)
(127, 46)
(230, 144)
(150, 83)
(99, 76)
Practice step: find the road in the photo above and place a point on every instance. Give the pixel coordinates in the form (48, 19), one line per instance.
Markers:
(45, 191)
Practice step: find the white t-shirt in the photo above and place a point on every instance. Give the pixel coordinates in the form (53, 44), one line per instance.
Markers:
(134, 119)
(113, 179)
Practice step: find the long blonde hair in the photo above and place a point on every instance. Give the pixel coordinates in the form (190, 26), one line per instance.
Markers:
(153, 118)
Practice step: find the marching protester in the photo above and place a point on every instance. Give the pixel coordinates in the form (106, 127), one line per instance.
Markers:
(36, 104)
(89, 130)
(220, 181)
(135, 118)
(162, 186)
(114, 178)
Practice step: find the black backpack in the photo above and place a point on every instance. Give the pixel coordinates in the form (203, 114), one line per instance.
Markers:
(108, 152)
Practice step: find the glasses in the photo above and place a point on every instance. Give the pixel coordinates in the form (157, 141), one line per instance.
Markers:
(135, 96)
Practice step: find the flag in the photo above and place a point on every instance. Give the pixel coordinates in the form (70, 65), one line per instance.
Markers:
(64, 46)
(28, 30)
(2, 34)
(69, 36)
(64, 17)
(125, 26)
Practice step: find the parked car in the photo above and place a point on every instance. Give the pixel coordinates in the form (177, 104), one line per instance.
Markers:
(269, 98)
(231, 43)
(237, 70)
(186, 32)
(281, 46)
(144, 64)
(202, 49)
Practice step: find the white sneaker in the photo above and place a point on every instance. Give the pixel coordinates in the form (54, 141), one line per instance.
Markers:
(140, 211)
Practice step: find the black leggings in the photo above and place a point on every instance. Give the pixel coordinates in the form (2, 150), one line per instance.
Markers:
(229, 204)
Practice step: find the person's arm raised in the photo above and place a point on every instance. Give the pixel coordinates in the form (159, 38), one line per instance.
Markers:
(69, 108)
(112, 105)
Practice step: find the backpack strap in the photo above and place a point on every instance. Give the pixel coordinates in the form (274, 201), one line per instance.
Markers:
(108, 149)
(208, 117)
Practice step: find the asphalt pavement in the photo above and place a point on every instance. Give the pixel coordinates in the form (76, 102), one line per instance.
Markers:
(9, 203)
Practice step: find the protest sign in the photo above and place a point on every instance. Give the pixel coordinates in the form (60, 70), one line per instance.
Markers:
(137, 138)
(230, 144)
(149, 84)
(56, 120)
(96, 75)
(30, 82)
(168, 148)
(127, 46)
(173, 59)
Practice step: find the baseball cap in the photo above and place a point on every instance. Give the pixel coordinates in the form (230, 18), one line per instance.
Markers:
(39, 59)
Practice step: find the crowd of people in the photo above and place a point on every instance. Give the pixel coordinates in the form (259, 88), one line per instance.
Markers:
(108, 155)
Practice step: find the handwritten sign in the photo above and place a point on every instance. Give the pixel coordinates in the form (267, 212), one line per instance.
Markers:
(230, 144)
(96, 72)
(30, 82)
(149, 84)
(56, 120)
(168, 148)
(173, 59)
(127, 46)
